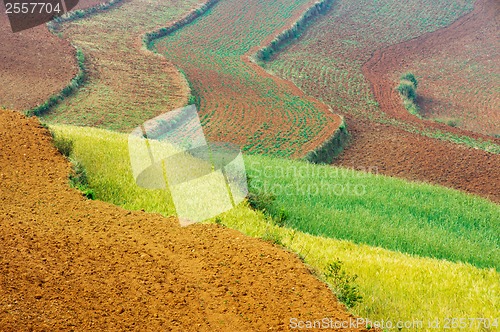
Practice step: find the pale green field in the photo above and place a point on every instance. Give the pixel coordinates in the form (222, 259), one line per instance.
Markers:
(395, 286)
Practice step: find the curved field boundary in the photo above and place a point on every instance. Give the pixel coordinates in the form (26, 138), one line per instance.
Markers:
(149, 37)
(125, 85)
(380, 68)
(218, 86)
(34, 65)
(79, 79)
(73, 85)
(294, 31)
(331, 148)
(73, 15)
(333, 145)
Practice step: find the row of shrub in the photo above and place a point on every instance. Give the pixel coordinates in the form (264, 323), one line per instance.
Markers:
(162, 32)
(407, 88)
(74, 84)
(80, 13)
(331, 148)
(295, 30)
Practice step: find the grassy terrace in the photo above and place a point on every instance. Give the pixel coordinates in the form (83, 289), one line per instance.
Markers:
(237, 103)
(125, 86)
(404, 283)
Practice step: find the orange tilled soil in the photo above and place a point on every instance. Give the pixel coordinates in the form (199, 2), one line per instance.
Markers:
(67, 263)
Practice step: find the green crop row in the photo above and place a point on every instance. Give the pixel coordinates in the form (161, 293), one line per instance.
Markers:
(394, 286)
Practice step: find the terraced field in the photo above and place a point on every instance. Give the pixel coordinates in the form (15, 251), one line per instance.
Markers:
(459, 72)
(444, 240)
(329, 63)
(328, 60)
(238, 101)
(125, 85)
(34, 64)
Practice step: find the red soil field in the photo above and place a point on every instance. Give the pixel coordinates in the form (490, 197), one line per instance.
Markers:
(473, 38)
(241, 102)
(34, 64)
(67, 263)
(344, 42)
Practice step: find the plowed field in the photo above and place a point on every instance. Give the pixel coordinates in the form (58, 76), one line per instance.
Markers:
(67, 263)
(328, 62)
(240, 102)
(458, 69)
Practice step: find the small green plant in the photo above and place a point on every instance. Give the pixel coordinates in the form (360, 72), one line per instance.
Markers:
(63, 144)
(78, 180)
(281, 217)
(410, 77)
(343, 284)
(452, 123)
(274, 237)
(407, 88)
(218, 221)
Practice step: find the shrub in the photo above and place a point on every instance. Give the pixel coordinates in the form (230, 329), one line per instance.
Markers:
(407, 90)
(410, 77)
(78, 180)
(259, 201)
(63, 144)
(343, 284)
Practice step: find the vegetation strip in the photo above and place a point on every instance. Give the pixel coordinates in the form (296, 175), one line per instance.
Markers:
(149, 37)
(326, 152)
(446, 284)
(74, 84)
(73, 15)
(79, 78)
(294, 32)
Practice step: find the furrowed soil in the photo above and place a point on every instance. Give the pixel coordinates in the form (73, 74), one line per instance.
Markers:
(239, 101)
(34, 63)
(67, 263)
(351, 45)
(458, 69)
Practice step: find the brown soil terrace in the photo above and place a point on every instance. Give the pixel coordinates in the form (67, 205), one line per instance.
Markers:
(379, 69)
(67, 263)
(397, 152)
(34, 64)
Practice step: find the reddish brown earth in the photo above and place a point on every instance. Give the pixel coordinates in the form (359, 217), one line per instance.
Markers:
(396, 152)
(459, 71)
(239, 101)
(380, 69)
(34, 64)
(399, 153)
(67, 263)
